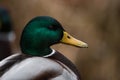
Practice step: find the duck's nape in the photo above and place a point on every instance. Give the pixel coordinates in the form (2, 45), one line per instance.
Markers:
(42, 32)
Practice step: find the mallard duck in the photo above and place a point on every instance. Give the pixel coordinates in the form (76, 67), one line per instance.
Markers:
(38, 61)
(6, 33)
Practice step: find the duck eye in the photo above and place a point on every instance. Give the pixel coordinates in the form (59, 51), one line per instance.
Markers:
(52, 27)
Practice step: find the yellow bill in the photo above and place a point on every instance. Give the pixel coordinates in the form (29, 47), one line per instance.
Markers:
(68, 39)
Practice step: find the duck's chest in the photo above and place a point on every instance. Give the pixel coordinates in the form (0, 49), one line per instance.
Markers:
(67, 73)
(38, 67)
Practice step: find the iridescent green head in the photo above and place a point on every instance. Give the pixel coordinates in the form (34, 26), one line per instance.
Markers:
(40, 33)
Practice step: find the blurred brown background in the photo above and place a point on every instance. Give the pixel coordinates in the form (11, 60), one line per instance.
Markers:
(96, 22)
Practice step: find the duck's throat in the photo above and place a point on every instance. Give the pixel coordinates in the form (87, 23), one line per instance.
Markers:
(40, 52)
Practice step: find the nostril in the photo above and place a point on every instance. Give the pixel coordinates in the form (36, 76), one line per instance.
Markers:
(68, 37)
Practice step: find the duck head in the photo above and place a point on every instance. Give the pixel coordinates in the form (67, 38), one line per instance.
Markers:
(42, 32)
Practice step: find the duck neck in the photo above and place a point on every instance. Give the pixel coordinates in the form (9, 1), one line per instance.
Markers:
(40, 52)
